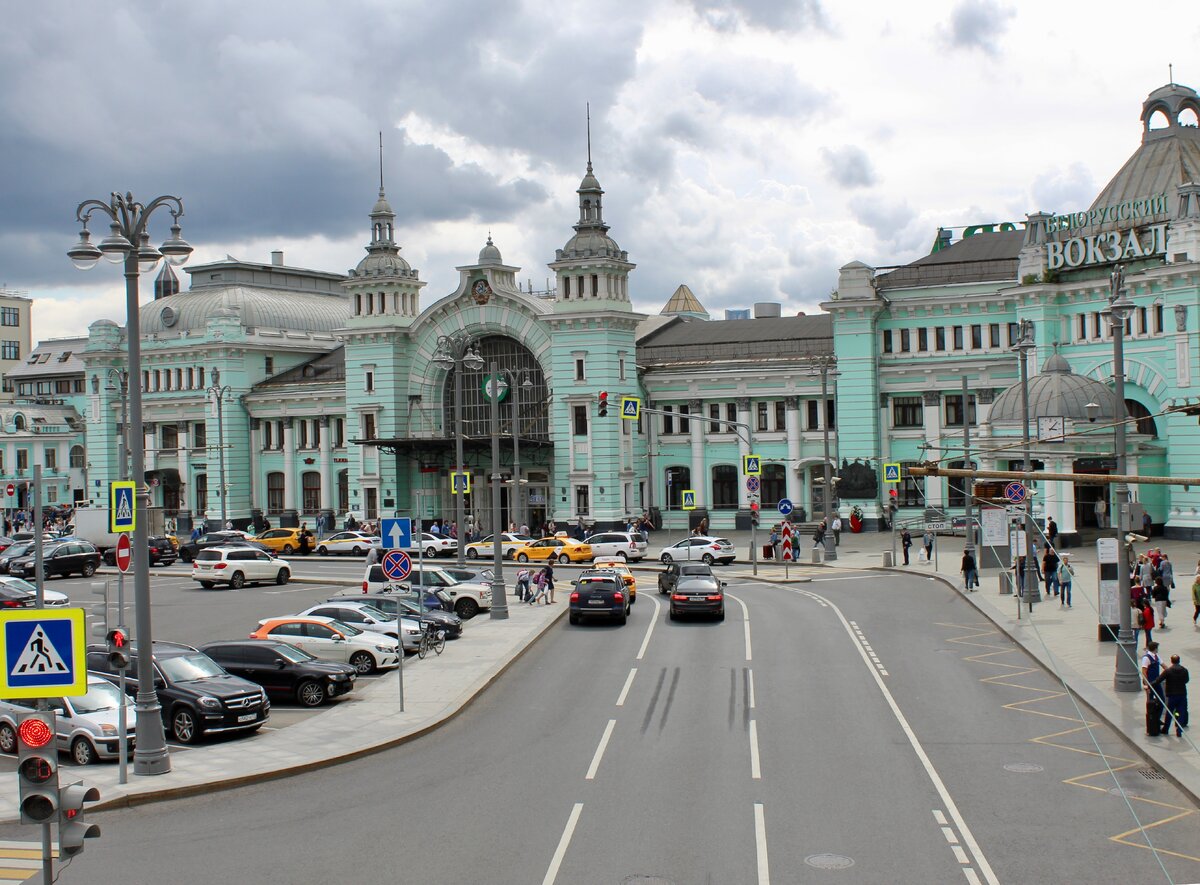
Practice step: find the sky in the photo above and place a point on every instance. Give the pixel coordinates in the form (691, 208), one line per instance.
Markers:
(747, 148)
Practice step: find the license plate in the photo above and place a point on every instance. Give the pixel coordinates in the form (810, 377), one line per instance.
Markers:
(249, 717)
(597, 602)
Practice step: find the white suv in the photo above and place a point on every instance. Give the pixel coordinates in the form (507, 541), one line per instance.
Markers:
(468, 598)
(238, 566)
(617, 545)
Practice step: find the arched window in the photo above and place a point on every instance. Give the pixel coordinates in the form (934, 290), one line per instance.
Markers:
(274, 493)
(312, 491)
(774, 483)
(724, 487)
(77, 456)
(1141, 415)
(19, 423)
(677, 479)
(343, 491)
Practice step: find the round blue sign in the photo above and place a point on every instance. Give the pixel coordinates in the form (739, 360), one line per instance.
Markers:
(397, 565)
(1014, 492)
(785, 506)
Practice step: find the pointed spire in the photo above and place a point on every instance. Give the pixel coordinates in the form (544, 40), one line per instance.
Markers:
(381, 163)
(588, 108)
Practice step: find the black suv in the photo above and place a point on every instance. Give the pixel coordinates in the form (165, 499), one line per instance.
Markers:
(197, 696)
(162, 552)
(188, 550)
(669, 577)
(599, 594)
(58, 558)
(283, 670)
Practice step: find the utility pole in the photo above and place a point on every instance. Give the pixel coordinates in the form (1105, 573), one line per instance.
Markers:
(967, 484)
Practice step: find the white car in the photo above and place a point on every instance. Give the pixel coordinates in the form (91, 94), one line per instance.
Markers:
(699, 548)
(509, 542)
(86, 725)
(52, 598)
(435, 545)
(367, 617)
(618, 545)
(331, 640)
(353, 543)
(237, 567)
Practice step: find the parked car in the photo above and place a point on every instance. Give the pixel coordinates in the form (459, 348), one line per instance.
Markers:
(618, 545)
(14, 551)
(5, 543)
(285, 541)
(62, 558)
(698, 594)
(469, 574)
(188, 550)
(599, 594)
(198, 698)
(85, 725)
(669, 577)
(238, 566)
(161, 551)
(367, 617)
(332, 640)
(484, 547)
(559, 549)
(467, 599)
(433, 544)
(704, 548)
(50, 598)
(283, 670)
(408, 606)
(16, 597)
(353, 543)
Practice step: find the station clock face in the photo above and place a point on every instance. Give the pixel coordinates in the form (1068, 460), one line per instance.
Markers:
(1051, 428)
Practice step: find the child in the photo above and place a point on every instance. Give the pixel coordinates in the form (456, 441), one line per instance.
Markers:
(523, 585)
(539, 582)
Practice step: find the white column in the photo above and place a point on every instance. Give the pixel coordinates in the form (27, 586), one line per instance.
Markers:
(183, 464)
(699, 480)
(1067, 499)
(743, 412)
(289, 465)
(792, 418)
(151, 449)
(932, 413)
(327, 464)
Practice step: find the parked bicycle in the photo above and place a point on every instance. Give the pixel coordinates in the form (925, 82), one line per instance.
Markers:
(431, 638)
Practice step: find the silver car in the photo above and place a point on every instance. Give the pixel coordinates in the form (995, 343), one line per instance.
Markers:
(364, 616)
(86, 725)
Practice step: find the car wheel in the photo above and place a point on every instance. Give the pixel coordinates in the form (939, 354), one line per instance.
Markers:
(8, 738)
(665, 558)
(671, 614)
(362, 662)
(82, 751)
(721, 614)
(237, 580)
(322, 551)
(622, 618)
(707, 559)
(310, 694)
(431, 552)
(356, 551)
(288, 549)
(621, 555)
(466, 608)
(184, 726)
(522, 558)
(564, 560)
(89, 569)
(207, 585)
(573, 618)
(472, 553)
(281, 577)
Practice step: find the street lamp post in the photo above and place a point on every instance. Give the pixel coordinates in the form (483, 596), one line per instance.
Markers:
(515, 386)
(456, 352)
(129, 242)
(967, 483)
(1126, 676)
(499, 600)
(1023, 347)
(218, 393)
(830, 545)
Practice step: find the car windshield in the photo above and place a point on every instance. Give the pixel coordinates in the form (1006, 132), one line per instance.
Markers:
(373, 612)
(345, 629)
(19, 584)
(100, 696)
(187, 667)
(293, 654)
(19, 549)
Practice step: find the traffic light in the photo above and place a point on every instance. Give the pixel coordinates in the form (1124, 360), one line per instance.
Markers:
(118, 648)
(37, 767)
(71, 827)
(603, 410)
(754, 513)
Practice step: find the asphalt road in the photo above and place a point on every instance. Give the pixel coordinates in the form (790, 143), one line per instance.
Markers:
(862, 728)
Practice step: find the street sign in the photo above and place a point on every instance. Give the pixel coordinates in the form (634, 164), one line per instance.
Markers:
(787, 545)
(42, 652)
(122, 504)
(631, 408)
(460, 482)
(1015, 492)
(10, 490)
(935, 526)
(891, 473)
(396, 565)
(785, 506)
(751, 465)
(689, 499)
(753, 484)
(396, 533)
(124, 554)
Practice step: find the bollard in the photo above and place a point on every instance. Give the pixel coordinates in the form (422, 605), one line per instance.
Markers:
(887, 559)
(816, 555)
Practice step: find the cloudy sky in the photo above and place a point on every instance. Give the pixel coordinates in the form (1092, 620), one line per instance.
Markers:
(747, 148)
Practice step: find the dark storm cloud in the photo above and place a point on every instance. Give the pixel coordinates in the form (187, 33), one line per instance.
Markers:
(776, 15)
(263, 116)
(978, 24)
(849, 166)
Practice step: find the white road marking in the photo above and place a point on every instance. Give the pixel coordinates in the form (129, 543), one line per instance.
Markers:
(290, 590)
(591, 774)
(755, 768)
(563, 842)
(649, 628)
(959, 854)
(760, 842)
(854, 578)
(969, 872)
(750, 673)
(625, 690)
(949, 834)
(745, 622)
(939, 817)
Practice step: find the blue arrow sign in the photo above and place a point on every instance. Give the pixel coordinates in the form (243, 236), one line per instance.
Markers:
(397, 565)
(785, 506)
(396, 533)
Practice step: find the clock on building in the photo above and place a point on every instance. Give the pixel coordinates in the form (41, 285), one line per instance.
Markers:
(1051, 429)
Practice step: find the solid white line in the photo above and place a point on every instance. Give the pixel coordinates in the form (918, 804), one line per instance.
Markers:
(745, 622)
(751, 674)
(649, 628)
(625, 690)
(760, 842)
(563, 842)
(612, 723)
(755, 769)
(960, 855)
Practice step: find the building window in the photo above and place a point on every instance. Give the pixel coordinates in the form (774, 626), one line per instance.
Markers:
(714, 413)
(957, 496)
(268, 427)
(977, 337)
(77, 458)
(1158, 319)
(580, 420)
(10, 316)
(62, 386)
(887, 340)
(780, 415)
(201, 492)
(912, 488)
(831, 413)
(339, 437)
(275, 492)
(311, 486)
(954, 416)
(760, 415)
(316, 433)
(369, 426)
(52, 494)
(994, 335)
(939, 338)
(579, 376)
(303, 422)
(200, 376)
(730, 414)
(668, 420)
(170, 436)
(905, 341)
(812, 415)
(774, 483)
(1096, 326)
(1141, 320)
(685, 426)
(678, 478)
(200, 436)
(191, 378)
(12, 350)
(724, 487)
(369, 382)
(583, 504)
(22, 458)
(907, 411)
(269, 365)
(621, 368)
(958, 337)
(922, 340)
(51, 456)
(1081, 335)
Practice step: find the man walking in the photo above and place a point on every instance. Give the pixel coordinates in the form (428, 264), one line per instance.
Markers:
(1174, 680)
(1050, 569)
(837, 530)
(819, 537)
(1051, 530)
(1065, 575)
(969, 571)
(927, 540)
(906, 543)
(1101, 513)
(1151, 666)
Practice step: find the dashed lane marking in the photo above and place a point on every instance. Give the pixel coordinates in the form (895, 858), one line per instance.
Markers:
(960, 854)
(862, 640)
(625, 690)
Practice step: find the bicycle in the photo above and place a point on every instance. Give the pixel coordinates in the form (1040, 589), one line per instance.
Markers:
(431, 638)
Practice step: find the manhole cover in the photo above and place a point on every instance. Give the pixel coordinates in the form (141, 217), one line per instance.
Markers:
(829, 861)
(1118, 791)
(1023, 767)
(1151, 774)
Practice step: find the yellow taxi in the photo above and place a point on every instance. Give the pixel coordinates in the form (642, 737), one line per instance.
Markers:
(619, 566)
(558, 549)
(283, 541)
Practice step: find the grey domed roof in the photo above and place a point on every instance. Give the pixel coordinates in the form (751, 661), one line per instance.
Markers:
(382, 263)
(1055, 392)
(258, 308)
(489, 254)
(382, 206)
(591, 243)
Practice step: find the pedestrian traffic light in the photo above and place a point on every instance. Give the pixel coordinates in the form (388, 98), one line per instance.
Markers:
(754, 518)
(118, 648)
(37, 767)
(72, 829)
(603, 410)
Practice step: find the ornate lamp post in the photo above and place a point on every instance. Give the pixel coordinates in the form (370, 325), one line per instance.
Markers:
(499, 599)
(218, 393)
(458, 351)
(1023, 347)
(129, 242)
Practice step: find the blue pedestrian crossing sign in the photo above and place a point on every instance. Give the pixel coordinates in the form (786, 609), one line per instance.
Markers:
(689, 499)
(396, 533)
(891, 473)
(631, 408)
(42, 653)
(751, 465)
(460, 482)
(397, 565)
(122, 506)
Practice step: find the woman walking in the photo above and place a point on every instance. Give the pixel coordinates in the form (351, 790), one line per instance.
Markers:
(969, 571)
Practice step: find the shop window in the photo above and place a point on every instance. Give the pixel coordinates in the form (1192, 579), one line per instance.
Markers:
(724, 487)
(908, 411)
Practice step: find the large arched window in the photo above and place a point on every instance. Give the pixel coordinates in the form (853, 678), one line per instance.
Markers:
(1142, 416)
(274, 493)
(311, 486)
(510, 354)
(677, 479)
(724, 487)
(774, 483)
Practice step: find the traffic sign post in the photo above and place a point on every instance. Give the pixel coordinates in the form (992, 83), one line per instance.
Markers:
(1015, 492)
(10, 490)
(42, 652)
(753, 484)
(124, 554)
(396, 534)
(631, 408)
(751, 465)
(689, 500)
(397, 565)
(122, 503)
(785, 507)
(460, 483)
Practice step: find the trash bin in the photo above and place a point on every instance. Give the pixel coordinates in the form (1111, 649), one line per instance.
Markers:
(887, 559)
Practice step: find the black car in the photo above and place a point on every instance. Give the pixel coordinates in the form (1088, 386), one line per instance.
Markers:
(599, 594)
(162, 552)
(15, 550)
(283, 670)
(11, 597)
(698, 595)
(197, 696)
(398, 605)
(62, 558)
(677, 571)
(188, 550)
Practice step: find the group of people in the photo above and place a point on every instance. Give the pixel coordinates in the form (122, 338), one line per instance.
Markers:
(1151, 580)
(1166, 692)
(906, 542)
(825, 526)
(535, 587)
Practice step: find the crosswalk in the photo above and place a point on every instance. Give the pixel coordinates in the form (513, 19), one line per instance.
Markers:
(20, 861)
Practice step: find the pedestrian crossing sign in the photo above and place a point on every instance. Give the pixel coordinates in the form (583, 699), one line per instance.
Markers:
(751, 465)
(42, 653)
(631, 408)
(891, 473)
(460, 482)
(689, 499)
(122, 506)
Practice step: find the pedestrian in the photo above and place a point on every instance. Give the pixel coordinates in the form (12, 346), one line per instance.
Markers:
(1145, 571)
(1143, 620)
(1174, 680)
(1101, 509)
(1051, 530)
(774, 542)
(819, 538)
(927, 540)
(373, 555)
(548, 571)
(305, 539)
(906, 543)
(1160, 597)
(1151, 669)
(1195, 600)
(523, 592)
(1065, 576)
(196, 537)
(579, 529)
(703, 527)
(1166, 570)
(525, 530)
(837, 530)
(1050, 569)
(1147, 523)
(969, 570)
(541, 588)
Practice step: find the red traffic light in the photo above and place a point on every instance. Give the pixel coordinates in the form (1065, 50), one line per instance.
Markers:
(892, 493)
(754, 505)
(35, 733)
(117, 639)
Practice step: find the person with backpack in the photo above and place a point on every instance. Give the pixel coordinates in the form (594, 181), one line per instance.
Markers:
(1151, 666)
(1143, 619)
(1174, 680)
(523, 592)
